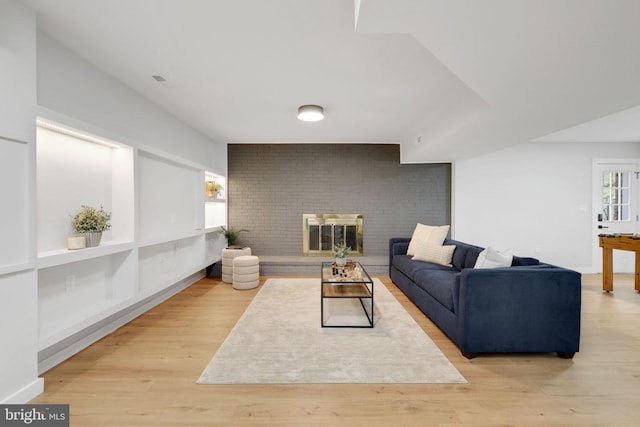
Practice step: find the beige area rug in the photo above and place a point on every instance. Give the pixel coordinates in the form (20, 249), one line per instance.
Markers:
(279, 340)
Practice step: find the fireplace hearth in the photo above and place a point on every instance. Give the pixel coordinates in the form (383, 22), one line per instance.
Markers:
(321, 231)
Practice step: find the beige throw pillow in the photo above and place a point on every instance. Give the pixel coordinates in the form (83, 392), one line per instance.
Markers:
(427, 235)
(436, 254)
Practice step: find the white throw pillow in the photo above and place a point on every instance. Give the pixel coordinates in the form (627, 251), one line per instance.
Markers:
(491, 258)
(427, 235)
(436, 254)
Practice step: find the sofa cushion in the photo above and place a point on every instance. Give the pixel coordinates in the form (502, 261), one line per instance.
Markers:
(409, 267)
(472, 256)
(427, 235)
(439, 284)
(437, 254)
(460, 254)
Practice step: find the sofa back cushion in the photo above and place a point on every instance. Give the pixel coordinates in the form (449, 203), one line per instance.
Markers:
(472, 256)
(465, 254)
(459, 254)
(520, 261)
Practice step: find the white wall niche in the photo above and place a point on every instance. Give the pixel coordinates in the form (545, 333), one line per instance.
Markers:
(215, 208)
(169, 197)
(74, 171)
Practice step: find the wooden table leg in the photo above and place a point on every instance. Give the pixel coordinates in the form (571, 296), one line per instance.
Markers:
(607, 269)
(637, 278)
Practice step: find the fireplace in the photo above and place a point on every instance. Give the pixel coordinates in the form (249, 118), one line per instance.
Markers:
(321, 231)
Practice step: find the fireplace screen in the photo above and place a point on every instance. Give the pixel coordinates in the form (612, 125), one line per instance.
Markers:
(321, 231)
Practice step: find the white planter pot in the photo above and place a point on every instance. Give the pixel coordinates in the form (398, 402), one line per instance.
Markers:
(93, 239)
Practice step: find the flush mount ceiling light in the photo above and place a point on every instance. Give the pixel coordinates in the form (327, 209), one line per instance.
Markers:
(310, 113)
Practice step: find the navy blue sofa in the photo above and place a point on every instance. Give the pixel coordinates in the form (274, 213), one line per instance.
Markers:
(529, 307)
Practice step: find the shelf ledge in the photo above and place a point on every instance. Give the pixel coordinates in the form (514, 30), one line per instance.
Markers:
(16, 268)
(66, 256)
(166, 238)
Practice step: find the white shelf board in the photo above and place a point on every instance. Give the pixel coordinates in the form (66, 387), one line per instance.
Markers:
(15, 268)
(66, 256)
(165, 238)
(212, 200)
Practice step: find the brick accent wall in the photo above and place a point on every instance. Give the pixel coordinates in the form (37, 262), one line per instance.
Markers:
(270, 186)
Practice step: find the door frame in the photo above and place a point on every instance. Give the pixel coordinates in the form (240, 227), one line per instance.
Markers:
(596, 200)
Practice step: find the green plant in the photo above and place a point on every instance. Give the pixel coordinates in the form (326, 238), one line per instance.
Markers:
(231, 234)
(341, 250)
(91, 220)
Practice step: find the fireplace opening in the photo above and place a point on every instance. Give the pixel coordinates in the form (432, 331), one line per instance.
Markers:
(321, 231)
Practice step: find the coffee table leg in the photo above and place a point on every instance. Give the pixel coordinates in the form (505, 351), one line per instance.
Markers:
(372, 305)
(364, 308)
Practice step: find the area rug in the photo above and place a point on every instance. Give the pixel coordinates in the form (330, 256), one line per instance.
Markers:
(279, 340)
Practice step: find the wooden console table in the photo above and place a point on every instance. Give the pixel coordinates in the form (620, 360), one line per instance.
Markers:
(625, 242)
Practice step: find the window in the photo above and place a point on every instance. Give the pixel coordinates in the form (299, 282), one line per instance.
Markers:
(616, 194)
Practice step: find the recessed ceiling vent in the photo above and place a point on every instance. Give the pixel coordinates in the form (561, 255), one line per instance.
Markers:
(159, 78)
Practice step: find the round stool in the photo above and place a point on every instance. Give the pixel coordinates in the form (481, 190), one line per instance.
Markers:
(246, 272)
(228, 256)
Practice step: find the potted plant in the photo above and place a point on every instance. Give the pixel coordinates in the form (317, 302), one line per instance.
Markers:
(91, 222)
(212, 189)
(231, 235)
(341, 252)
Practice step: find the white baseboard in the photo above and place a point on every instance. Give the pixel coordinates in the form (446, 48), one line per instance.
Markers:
(25, 394)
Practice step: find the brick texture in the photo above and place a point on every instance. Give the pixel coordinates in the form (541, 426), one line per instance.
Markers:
(270, 186)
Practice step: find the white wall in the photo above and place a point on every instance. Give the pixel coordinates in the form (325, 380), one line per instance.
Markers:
(534, 198)
(71, 87)
(18, 289)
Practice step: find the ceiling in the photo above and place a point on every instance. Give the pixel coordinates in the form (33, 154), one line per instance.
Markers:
(448, 79)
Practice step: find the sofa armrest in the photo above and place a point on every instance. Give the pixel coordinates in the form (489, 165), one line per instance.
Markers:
(397, 246)
(519, 309)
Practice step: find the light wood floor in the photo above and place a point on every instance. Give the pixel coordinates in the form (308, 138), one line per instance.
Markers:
(145, 374)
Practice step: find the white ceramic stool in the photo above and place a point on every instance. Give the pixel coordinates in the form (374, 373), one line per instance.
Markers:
(228, 256)
(246, 272)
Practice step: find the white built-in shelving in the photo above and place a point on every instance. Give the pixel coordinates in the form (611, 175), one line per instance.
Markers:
(164, 230)
(16, 188)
